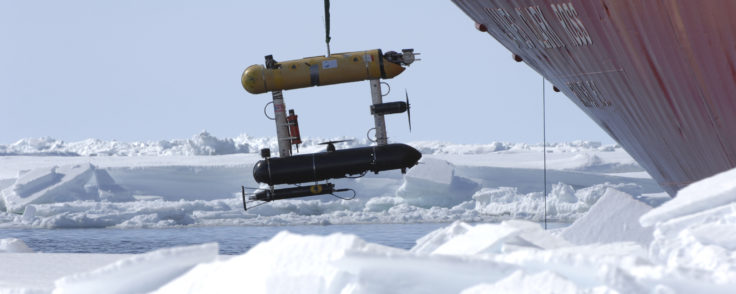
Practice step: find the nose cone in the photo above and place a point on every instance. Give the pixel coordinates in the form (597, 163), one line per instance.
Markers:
(404, 155)
(391, 70)
(252, 79)
(395, 156)
(260, 172)
(411, 156)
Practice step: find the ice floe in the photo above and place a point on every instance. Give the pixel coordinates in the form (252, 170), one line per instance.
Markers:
(433, 183)
(62, 184)
(14, 245)
(139, 273)
(695, 233)
(619, 214)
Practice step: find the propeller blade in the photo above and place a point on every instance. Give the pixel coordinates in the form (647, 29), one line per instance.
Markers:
(336, 141)
(408, 108)
(331, 144)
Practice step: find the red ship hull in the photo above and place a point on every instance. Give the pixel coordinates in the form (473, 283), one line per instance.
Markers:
(658, 76)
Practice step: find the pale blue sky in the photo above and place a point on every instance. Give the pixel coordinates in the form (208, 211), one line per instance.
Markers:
(149, 70)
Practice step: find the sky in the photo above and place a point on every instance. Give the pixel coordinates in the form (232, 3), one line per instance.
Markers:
(151, 70)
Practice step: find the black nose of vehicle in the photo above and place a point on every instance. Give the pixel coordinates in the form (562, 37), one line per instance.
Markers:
(412, 156)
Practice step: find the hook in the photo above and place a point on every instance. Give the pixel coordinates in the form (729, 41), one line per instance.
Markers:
(368, 135)
(266, 113)
(389, 89)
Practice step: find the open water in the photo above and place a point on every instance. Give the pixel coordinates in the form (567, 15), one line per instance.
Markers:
(232, 239)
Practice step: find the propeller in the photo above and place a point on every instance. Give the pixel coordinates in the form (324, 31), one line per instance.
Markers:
(408, 108)
(331, 144)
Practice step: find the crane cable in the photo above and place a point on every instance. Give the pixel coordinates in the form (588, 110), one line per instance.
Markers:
(327, 25)
(544, 149)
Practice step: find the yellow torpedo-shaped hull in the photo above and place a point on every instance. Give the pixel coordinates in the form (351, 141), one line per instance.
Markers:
(319, 71)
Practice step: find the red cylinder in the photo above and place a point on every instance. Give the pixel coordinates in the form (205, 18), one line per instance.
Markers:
(294, 135)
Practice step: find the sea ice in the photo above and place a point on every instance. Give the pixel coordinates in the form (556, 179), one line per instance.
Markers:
(693, 233)
(433, 183)
(430, 242)
(692, 248)
(153, 212)
(205, 143)
(337, 263)
(543, 282)
(618, 213)
(715, 191)
(14, 245)
(139, 273)
(563, 203)
(112, 184)
(62, 184)
(510, 257)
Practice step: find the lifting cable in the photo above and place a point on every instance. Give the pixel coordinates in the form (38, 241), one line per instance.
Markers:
(327, 25)
(544, 149)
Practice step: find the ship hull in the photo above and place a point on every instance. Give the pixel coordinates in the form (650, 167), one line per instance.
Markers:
(658, 76)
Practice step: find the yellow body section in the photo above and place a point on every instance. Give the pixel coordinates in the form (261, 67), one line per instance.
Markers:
(320, 70)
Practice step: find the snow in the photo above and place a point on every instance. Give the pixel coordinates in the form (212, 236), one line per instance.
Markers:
(197, 182)
(13, 245)
(205, 143)
(521, 283)
(139, 273)
(718, 190)
(497, 238)
(563, 202)
(430, 242)
(37, 272)
(618, 243)
(62, 184)
(616, 211)
(433, 183)
(337, 263)
(689, 253)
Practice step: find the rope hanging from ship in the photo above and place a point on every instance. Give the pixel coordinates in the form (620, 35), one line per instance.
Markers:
(544, 148)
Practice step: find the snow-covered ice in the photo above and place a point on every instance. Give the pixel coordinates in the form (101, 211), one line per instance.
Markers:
(139, 273)
(13, 245)
(721, 189)
(62, 184)
(620, 241)
(47, 183)
(433, 183)
(619, 214)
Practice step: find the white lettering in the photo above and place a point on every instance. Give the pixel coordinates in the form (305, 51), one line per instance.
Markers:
(588, 94)
(505, 22)
(568, 18)
(545, 35)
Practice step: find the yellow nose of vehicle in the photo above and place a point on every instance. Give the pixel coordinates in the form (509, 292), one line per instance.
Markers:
(252, 79)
